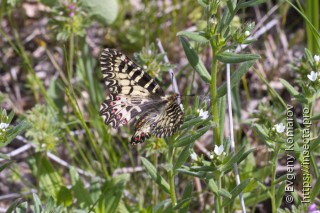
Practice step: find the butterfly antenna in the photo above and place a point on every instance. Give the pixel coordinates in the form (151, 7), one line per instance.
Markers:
(173, 79)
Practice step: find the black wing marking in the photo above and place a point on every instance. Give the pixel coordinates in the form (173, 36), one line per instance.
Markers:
(163, 122)
(119, 110)
(123, 76)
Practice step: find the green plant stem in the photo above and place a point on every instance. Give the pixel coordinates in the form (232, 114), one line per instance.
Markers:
(155, 188)
(217, 201)
(273, 179)
(71, 55)
(171, 176)
(98, 152)
(214, 97)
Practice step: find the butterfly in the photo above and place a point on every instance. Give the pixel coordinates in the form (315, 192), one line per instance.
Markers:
(134, 95)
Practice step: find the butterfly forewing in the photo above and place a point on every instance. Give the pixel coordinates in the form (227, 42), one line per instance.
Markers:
(134, 93)
(123, 76)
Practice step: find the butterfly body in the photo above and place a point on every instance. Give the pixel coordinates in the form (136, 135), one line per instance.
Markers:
(134, 94)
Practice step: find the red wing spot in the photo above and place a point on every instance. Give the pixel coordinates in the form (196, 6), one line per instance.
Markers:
(136, 138)
(117, 98)
(111, 103)
(142, 134)
(124, 121)
(119, 116)
(114, 110)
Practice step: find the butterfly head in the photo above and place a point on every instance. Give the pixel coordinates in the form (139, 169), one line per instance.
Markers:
(172, 97)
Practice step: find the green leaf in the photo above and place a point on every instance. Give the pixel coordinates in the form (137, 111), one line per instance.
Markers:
(191, 138)
(249, 41)
(79, 190)
(182, 203)
(315, 190)
(255, 198)
(222, 113)
(272, 91)
(50, 3)
(64, 196)
(230, 58)
(185, 153)
(104, 11)
(22, 208)
(192, 122)
(199, 36)
(315, 117)
(308, 55)
(49, 179)
(290, 88)
(159, 207)
(279, 194)
(313, 144)
(155, 175)
(187, 196)
(13, 132)
(195, 60)
(224, 193)
(5, 165)
(250, 3)
(37, 203)
(237, 158)
(13, 206)
(112, 193)
(261, 131)
(236, 191)
(4, 156)
(235, 77)
(203, 3)
(191, 173)
(213, 186)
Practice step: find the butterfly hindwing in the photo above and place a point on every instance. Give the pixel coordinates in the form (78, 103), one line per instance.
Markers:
(168, 121)
(163, 121)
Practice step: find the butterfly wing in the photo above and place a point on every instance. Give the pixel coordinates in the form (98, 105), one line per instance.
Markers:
(169, 120)
(131, 89)
(161, 122)
(123, 76)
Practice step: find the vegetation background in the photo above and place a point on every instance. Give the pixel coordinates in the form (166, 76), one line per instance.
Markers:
(57, 155)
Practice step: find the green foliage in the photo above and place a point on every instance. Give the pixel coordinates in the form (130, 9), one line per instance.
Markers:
(152, 60)
(46, 129)
(105, 11)
(68, 19)
(7, 131)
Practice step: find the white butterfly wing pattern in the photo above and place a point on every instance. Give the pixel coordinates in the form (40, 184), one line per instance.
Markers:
(134, 93)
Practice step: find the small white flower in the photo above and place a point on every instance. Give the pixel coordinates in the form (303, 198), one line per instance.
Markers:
(218, 150)
(312, 76)
(181, 106)
(203, 114)
(280, 127)
(194, 156)
(211, 156)
(4, 125)
(43, 145)
(246, 33)
(316, 58)
(213, 21)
